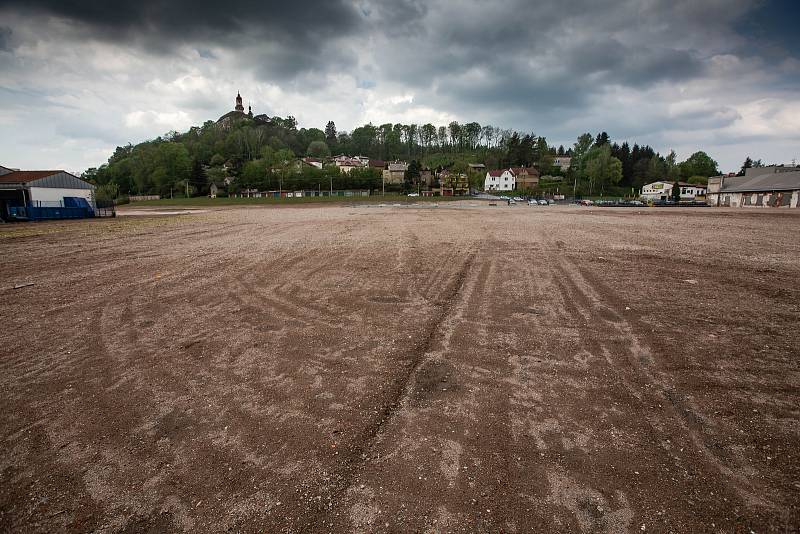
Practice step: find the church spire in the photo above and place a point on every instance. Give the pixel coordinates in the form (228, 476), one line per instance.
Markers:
(249, 110)
(239, 106)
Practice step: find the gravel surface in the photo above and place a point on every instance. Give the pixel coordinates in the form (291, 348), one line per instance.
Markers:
(460, 368)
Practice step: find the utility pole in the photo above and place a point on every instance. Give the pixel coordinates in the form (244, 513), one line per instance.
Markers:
(187, 188)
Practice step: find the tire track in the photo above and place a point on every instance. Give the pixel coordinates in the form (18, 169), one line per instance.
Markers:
(396, 397)
(584, 286)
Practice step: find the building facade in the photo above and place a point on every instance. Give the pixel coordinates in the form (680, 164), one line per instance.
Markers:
(767, 187)
(500, 180)
(42, 190)
(662, 190)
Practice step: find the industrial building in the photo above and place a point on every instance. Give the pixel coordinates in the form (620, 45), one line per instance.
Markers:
(34, 195)
(775, 186)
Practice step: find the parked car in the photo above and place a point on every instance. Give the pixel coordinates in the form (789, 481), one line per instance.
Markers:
(533, 202)
(413, 194)
(542, 202)
(519, 199)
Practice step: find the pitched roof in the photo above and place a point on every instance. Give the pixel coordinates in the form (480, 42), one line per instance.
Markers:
(377, 163)
(522, 170)
(497, 172)
(17, 177)
(773, 181)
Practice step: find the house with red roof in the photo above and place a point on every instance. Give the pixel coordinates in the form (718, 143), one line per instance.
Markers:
(500, 180)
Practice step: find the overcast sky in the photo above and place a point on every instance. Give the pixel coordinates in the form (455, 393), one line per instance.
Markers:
(78, 78)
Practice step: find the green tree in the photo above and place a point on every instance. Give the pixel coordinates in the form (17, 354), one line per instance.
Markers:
(106, 192)
(318, 149)
(748, 163)
(411, 176)
(676, 192)
(577, 168)
(671, 166)
(699, 164)
(602, 169)
(330, 133)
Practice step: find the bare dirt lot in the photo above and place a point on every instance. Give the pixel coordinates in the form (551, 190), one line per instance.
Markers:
(355, 368)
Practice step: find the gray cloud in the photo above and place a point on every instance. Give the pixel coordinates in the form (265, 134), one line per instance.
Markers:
(653, 69)
(5, 39)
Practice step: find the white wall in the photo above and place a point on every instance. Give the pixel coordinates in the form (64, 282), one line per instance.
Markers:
(51, 194)
(505, 182)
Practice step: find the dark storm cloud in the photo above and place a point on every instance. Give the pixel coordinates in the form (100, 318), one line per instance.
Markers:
(286, 37)
(179, 20)
(558, 67)
(5, 39)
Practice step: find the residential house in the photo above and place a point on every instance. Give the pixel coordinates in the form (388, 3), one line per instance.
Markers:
(526, 178)
(395, 172)
(562, 162)
(453, 184)
(314, 162)
(426, 176)
(499, 180)
(347, 164)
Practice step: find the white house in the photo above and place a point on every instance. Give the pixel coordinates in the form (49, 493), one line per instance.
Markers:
(499, 180)
(662, 190)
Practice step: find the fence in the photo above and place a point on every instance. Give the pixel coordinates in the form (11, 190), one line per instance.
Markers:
(68, 208)
(137, 198)
(299, 194)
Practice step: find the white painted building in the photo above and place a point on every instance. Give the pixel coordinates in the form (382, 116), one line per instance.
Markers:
(41, 189)
(663, 191)
(499, 180)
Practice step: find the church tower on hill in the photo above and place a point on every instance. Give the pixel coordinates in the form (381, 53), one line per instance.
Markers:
(239, 106)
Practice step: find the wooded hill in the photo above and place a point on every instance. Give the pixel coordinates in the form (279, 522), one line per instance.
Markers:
(259, 152)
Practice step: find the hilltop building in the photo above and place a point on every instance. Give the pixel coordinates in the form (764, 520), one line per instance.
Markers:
(227, 120)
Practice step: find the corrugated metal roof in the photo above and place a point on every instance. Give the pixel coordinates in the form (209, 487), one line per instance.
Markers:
(774, 181)
(54, 179)
(22, 177)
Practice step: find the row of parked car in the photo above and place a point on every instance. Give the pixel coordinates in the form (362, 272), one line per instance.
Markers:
(530, 201)
(610, 203)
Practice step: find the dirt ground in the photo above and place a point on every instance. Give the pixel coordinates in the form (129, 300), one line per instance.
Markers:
(433, 369)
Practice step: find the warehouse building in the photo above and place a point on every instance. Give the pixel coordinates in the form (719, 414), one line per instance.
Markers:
(31, 195)
(775, 187)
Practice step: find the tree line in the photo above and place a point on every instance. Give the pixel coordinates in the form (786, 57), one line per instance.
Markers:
(261, 152)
